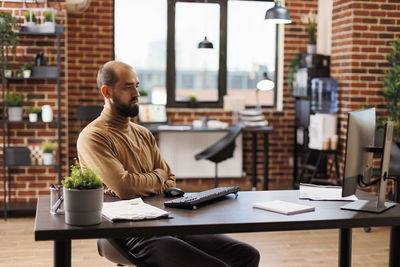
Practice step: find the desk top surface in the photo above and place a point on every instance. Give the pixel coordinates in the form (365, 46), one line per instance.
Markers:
(227, 215)
(189, 128)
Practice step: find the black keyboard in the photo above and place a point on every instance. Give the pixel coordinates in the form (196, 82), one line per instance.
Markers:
(191, 200)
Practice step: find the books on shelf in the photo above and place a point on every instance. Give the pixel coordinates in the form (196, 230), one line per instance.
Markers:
(131, 210)
(283, 207)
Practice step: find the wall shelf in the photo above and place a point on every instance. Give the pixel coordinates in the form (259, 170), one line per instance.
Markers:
(42, 74)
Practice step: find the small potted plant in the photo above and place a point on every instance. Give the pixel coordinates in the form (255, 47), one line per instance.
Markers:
(144, 96)
(311, 21)
(48, 152)
(83, 196)
(49, 24)
(30, 19)
(7, 71)
(26, 70)
(193, 100)
(14, 102)
(33, 113)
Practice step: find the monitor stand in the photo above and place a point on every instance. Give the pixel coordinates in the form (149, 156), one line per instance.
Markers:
(368, 206)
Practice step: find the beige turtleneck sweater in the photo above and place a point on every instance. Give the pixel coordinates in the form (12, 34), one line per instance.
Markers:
(125, 155)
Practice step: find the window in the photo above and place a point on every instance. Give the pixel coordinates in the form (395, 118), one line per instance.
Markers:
(140, 40)
(163, 49)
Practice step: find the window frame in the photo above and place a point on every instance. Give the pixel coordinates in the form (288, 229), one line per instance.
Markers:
(171, 71)
(222, 72)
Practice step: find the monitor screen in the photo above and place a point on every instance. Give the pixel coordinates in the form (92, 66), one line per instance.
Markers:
(358, 162)
(152, 113)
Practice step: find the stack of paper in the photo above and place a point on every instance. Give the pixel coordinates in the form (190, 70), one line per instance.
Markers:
(283, 207)
(320, 192)
(132, 210)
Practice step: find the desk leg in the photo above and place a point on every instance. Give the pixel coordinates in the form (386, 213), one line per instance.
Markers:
(345, 247)
(62, 253)
(266, 161)
(254, 146)
(394, 256)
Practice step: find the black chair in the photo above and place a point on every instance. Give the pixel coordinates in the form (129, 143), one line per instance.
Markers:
(114, 251)
(223, 149)
(88, 113)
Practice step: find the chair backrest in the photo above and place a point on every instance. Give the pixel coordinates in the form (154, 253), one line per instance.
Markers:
(88, 113)
(114, 251)
(223, 148)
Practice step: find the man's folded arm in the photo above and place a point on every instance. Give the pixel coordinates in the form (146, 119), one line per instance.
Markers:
(99, 156)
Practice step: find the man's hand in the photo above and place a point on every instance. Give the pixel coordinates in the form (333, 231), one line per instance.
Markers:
(109, 192)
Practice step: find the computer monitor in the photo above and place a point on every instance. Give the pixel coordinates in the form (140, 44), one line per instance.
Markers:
(358, 167)
(152, 114)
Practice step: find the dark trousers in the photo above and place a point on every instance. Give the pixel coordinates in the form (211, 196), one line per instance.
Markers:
(193, 250)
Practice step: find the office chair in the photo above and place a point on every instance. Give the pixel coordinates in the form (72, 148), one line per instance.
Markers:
(221, 150)
(88, 113)
(114, 251)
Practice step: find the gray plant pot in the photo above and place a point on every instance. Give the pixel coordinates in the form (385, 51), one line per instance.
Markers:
(15, 113)
(83, 207)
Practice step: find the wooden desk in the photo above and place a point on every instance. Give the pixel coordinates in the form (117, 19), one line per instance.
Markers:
(228, 215)
(264, 130)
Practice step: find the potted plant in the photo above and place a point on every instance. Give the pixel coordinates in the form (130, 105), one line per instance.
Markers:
(26, 70)
(30, 19)
(144, 96)
(193, 100)
(8, 39)
(48, 152)
(33, 113)
(83, 196)
(391, 88)
(311, 21)
(14, 103)
(49, 24)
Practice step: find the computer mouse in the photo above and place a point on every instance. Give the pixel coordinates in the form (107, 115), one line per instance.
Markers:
(173, 192)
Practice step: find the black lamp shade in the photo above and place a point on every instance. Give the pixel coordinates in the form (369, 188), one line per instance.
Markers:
(278, 14)
(205, 43)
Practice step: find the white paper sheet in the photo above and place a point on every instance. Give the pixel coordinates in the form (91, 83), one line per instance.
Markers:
(320, 192)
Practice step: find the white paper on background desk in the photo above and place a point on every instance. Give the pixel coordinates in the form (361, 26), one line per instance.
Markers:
(131, 210)
(323, 192)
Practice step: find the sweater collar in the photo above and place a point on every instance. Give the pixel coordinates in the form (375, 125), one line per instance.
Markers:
(113, 118)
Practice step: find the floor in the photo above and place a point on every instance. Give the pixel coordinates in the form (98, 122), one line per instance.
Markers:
(278, 249)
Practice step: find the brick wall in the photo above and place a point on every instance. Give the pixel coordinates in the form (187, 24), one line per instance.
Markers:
(361, 33)
(28, 183)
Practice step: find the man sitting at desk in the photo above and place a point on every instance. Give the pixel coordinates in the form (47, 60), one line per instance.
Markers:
(126, 156)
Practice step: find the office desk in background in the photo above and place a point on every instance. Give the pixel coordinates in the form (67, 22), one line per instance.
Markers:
(229, 215)
(233, 167)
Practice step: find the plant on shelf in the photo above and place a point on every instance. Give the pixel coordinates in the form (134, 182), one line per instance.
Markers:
(83, 196)
(311, 21)
(294, 65)
(193, 100)
(8, 38)
(391, 87)
(48, 16)
(48, 152)
(25, 71)
(144, 96)
(27, 15)
(33, 113)
(14, 102)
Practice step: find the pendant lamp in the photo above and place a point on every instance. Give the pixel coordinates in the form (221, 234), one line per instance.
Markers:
(278, 14)
(266, 84)
(205, 43)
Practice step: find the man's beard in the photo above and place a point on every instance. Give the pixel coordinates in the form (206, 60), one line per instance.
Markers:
(126, 110)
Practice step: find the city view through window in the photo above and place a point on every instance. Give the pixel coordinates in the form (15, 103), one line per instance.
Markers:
(141, 41)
